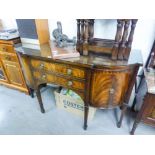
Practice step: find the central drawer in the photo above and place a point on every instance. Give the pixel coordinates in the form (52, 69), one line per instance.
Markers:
(75, 84)
(58, 68)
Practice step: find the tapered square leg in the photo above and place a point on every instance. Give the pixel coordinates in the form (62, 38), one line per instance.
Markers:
(31, 91)
(137, 120)
(122, 115)
(86, 110)
(134, 127)
(40, 100)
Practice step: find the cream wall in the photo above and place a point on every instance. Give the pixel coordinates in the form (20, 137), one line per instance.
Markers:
(143, 38)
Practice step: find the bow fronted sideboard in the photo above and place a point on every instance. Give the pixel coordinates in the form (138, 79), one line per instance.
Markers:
(100, 81)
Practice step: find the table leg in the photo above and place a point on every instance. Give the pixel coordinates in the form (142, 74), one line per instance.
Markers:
(137, 88)
(122, 115)
(135, 97)
(86, 110)
(40, 100)
(31, 92)
(139, 116)
(134, 127)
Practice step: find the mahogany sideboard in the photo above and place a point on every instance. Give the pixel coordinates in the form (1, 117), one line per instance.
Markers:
(100, 81)
(10, 69)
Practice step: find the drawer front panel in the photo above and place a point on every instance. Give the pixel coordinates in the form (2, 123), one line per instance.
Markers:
(58, 80)
(70, 83)
(6, 48)
(8, 57)
(58, 68)
(40, 65)
(44, 77)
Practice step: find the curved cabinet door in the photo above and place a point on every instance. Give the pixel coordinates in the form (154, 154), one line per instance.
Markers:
(109, 86)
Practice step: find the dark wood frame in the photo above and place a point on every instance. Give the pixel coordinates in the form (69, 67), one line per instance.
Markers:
(118, 49)
(149, 63)
(143, 114)
(149, 99)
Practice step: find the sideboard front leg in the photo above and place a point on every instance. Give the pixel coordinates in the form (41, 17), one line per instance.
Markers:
(122, 115)
(40, 99)
(86, 110)
(31, 91)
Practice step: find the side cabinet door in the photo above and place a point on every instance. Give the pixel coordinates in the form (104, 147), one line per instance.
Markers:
(149, 110)
(14, 74)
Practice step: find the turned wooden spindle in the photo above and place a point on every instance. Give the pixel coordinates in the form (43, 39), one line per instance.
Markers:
(81, 35)
(78, 31)
(118, 37)
(82, 31)
(91, 29)
(86, 36)
(78, 36)
(130, 39)
(122, 45)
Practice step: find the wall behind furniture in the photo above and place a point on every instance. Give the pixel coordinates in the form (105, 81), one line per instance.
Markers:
(143, 38)
(1, 26)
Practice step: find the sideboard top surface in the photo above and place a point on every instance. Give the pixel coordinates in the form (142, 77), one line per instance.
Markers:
(44, 53)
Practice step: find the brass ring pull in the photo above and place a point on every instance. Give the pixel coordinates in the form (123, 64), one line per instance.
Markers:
(43, 76)
(41, 66)
(70, 83)
(69, 71)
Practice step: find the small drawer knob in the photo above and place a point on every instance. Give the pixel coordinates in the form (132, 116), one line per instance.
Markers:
(69, 71)
(70, 83)
(112, 91)
(41, 65)
(43, 76)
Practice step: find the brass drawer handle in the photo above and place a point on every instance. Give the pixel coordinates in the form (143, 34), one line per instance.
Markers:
(70, 83)
(69, 71)
(43, 77)
(112, 91)
(41, 66)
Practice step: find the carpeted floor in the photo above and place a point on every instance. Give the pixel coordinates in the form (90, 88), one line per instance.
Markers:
(20, 114)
